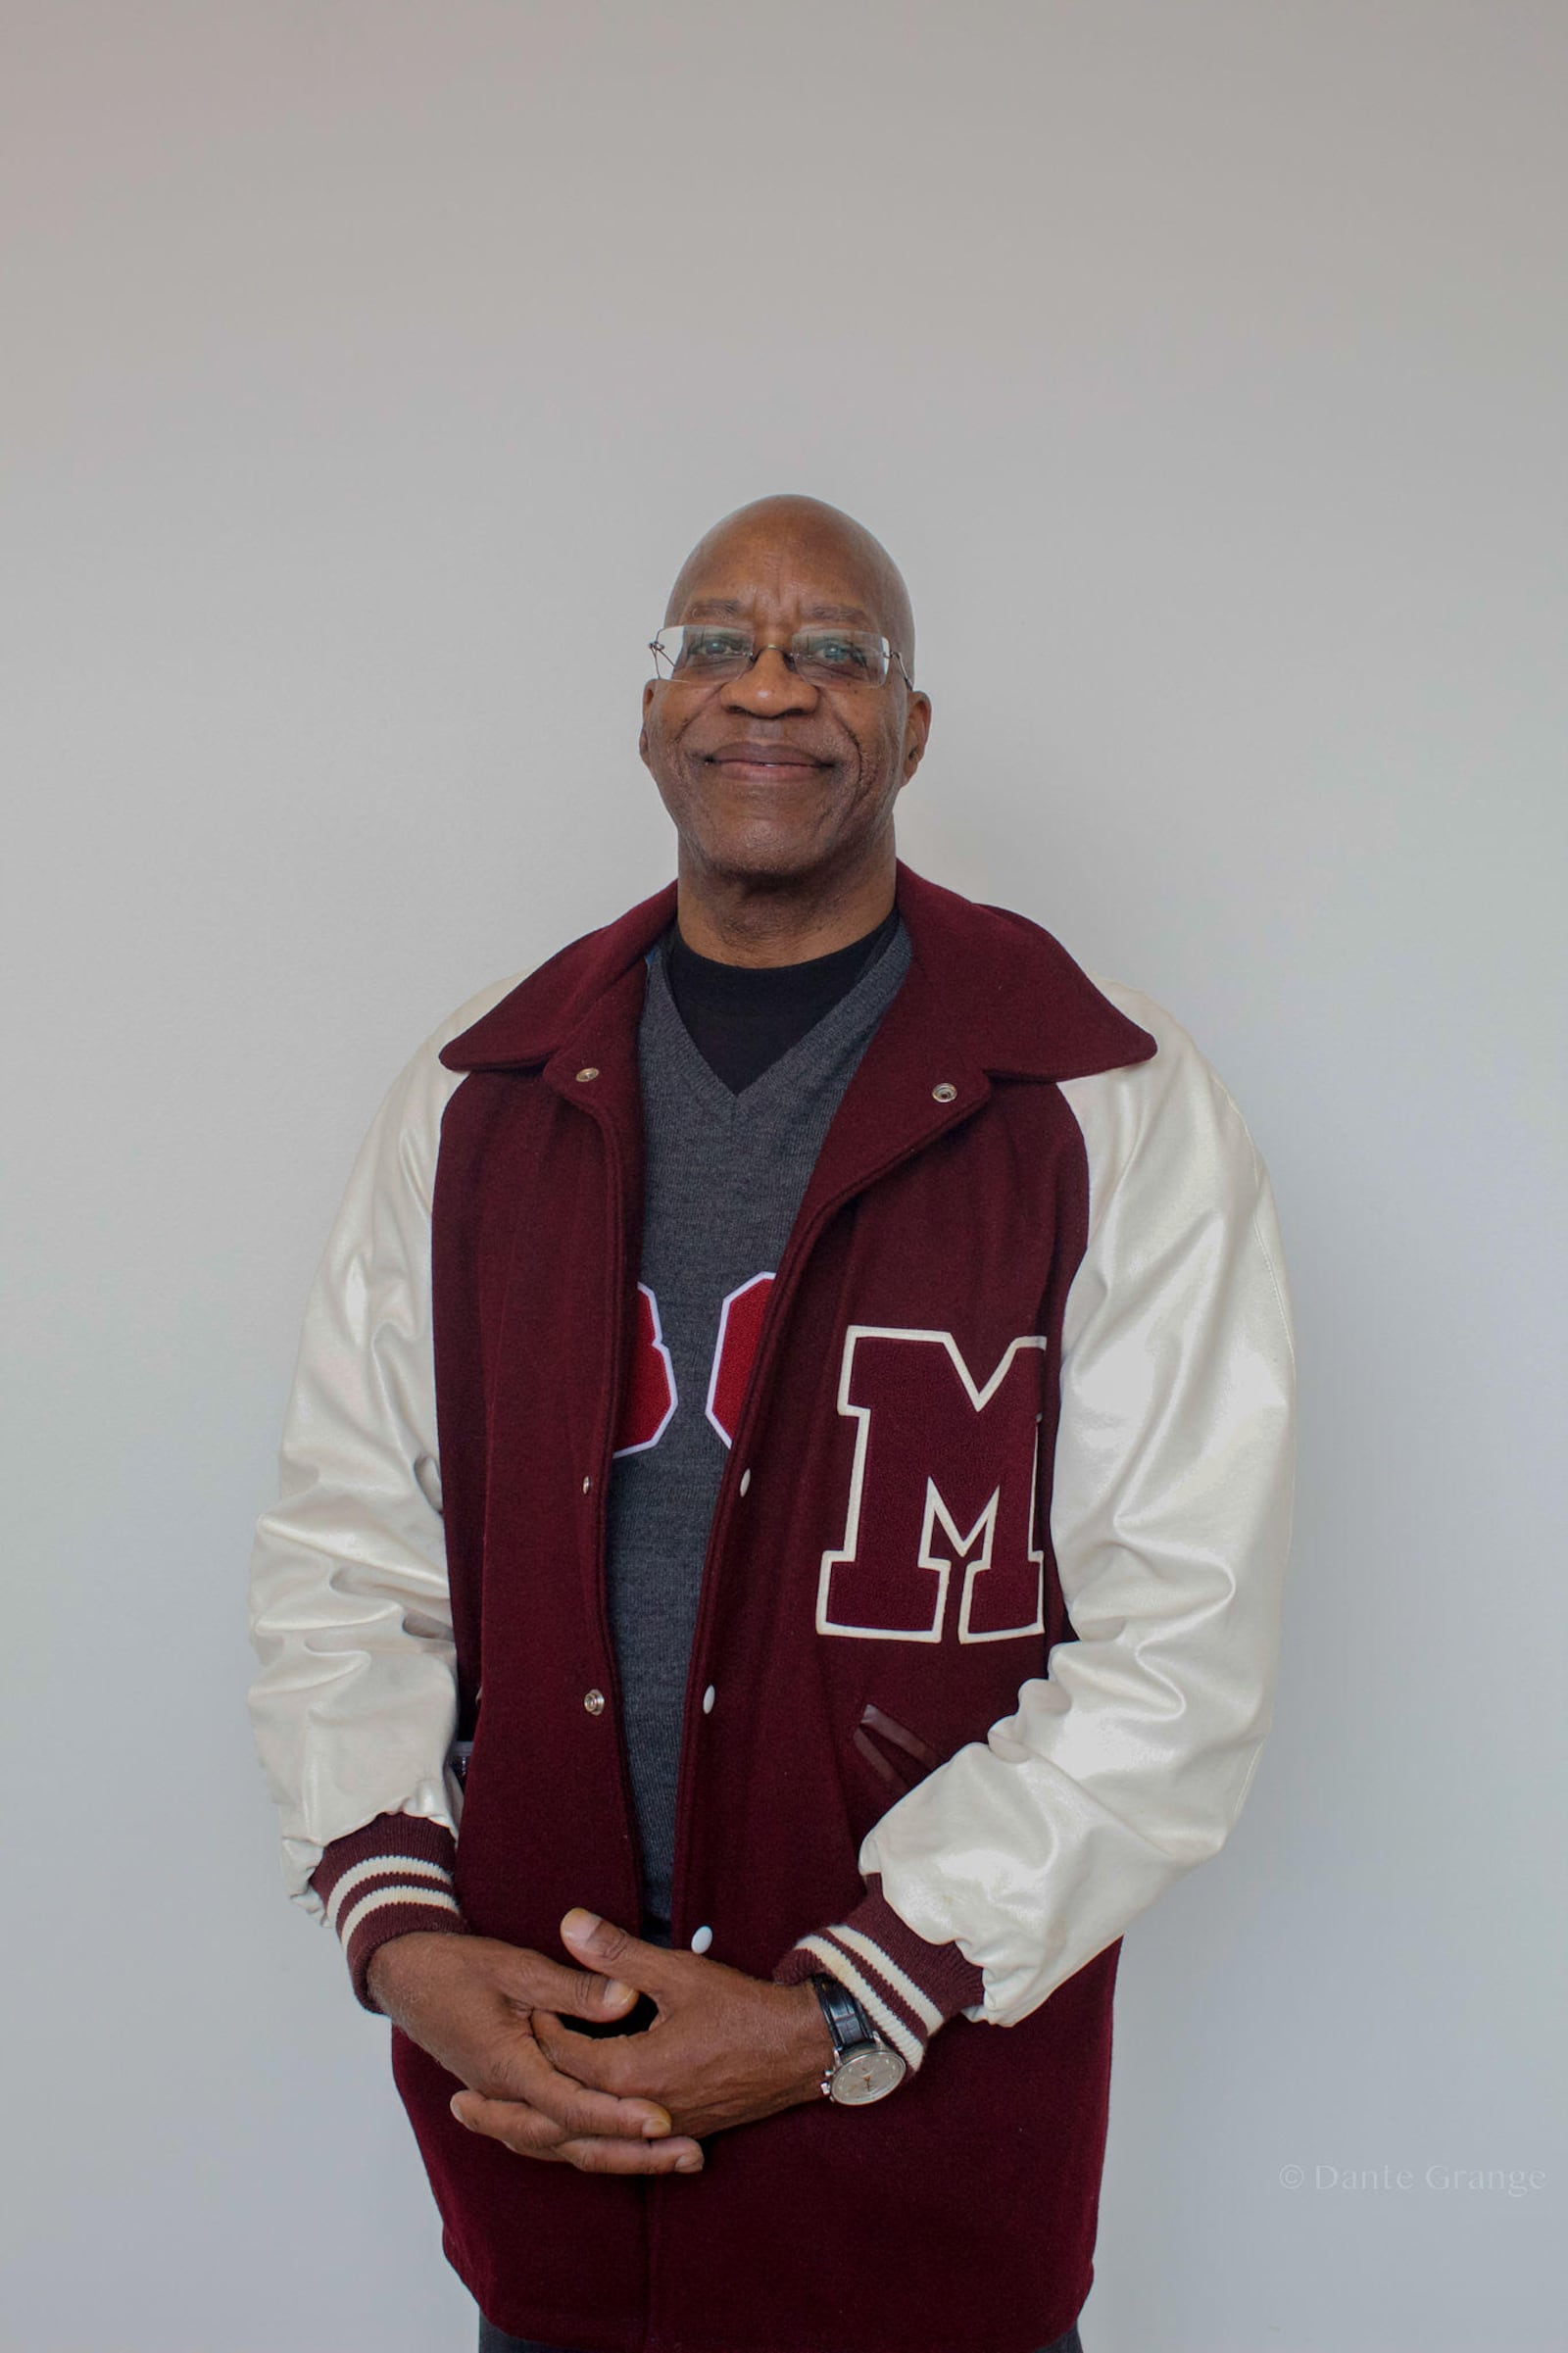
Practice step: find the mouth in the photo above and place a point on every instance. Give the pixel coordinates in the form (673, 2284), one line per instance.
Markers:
(766, 761)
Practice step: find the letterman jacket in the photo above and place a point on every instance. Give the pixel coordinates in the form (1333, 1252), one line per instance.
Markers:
(986, 1647)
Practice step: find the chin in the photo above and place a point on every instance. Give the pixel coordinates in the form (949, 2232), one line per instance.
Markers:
(761, 859)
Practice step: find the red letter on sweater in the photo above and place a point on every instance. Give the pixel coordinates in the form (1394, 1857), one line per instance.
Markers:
(740, 1328)
(945, 1471)
(649, 1397)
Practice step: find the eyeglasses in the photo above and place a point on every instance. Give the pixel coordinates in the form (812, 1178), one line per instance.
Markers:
(702, 654)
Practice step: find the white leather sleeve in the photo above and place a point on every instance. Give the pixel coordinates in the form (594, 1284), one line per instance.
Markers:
(1128, 1761)
(354, 1703)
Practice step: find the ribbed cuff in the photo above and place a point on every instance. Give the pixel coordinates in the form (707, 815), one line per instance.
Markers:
(906, 1987)
(390, 1879)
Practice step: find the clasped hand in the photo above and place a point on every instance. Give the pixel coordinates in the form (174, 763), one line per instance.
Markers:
(725, 2048)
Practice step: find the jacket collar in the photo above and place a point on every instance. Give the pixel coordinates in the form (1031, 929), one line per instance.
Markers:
(1008, 990)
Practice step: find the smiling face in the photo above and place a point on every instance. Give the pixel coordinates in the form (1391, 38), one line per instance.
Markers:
(776, 784)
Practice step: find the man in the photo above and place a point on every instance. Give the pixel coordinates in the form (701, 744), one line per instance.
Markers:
(792, 1448)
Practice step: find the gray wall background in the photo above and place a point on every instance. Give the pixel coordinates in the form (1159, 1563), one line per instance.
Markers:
(370, 367)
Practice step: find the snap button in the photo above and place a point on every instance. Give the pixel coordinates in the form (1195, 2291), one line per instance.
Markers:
(708, 1696)
(594, 1703)
(583, 1076)
(746, 1478)
(946, 1092)
(702, 1940)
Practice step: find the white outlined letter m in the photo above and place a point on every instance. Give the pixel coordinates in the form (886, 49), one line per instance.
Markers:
(945, 1473)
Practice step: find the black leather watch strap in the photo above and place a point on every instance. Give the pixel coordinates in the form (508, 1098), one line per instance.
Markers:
(847, 2021)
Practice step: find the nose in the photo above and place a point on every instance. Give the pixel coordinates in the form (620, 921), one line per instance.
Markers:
(769, 688)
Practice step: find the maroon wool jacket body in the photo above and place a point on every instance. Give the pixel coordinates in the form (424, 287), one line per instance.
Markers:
(960, 2212)
(879, 1597)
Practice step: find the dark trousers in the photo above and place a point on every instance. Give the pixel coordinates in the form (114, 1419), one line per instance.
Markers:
(496, 2340)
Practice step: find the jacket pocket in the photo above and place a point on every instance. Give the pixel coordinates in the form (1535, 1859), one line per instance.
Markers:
(898, 1757)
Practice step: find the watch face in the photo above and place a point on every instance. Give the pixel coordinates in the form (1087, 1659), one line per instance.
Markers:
(866, 2074)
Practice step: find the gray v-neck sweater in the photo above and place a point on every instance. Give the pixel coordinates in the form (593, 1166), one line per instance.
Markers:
(724, 1175)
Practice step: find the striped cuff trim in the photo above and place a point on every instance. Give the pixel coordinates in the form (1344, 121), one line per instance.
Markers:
(442, 1898)
(391, 1878)
(394, 1914)
(405, 1867)
(907, 1985)
(826, 1949)
(873, 1957)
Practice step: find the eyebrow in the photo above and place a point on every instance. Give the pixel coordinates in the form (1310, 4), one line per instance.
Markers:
(852, 613)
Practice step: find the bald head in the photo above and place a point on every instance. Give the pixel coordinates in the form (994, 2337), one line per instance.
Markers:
(806, 537)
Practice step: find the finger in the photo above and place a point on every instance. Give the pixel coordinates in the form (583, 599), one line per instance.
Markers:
(518, 2068)
(572, 2105)
(607, 2065)
(525, 2130)
(601, 1945)
(606, 2061)
(528, 2133)
(577, 1993)
(675, 2156)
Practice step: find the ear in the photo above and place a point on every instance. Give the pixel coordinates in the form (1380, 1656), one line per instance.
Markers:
(642, 739)
(916, 728)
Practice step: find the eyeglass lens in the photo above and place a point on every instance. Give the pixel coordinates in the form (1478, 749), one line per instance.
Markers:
(706, 654)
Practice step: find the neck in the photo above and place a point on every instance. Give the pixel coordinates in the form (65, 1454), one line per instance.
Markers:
(736, 921)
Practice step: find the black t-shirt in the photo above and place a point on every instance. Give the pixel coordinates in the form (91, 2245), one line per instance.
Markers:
(743, 1016)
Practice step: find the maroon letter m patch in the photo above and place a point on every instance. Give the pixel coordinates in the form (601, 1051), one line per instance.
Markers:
(945, 1472)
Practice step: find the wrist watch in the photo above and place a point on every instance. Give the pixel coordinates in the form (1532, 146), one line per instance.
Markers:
(863, 2067)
